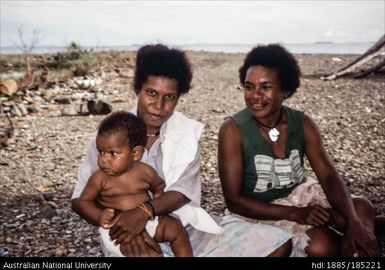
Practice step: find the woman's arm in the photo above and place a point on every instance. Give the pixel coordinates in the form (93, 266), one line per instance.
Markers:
(330, 180)
(358, 236)
(85, 206)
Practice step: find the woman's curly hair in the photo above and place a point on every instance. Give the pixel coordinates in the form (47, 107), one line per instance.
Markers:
(159, 60)
(274, 56)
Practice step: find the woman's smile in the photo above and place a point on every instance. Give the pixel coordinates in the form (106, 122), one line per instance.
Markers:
(257, 106)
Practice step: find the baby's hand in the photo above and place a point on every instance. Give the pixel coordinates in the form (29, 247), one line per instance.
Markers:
(106, 217)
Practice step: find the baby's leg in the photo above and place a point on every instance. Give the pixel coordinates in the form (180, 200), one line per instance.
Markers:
(171, 230)
(324, 242)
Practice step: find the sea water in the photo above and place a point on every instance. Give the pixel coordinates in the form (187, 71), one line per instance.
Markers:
(311, 48)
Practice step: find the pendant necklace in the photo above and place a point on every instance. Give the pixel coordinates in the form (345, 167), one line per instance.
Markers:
(156, 134)
(273, 132)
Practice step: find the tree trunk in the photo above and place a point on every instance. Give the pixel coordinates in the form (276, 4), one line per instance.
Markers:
(370, 54)
(370, 70)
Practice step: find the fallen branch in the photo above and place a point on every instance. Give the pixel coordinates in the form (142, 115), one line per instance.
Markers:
(365, 73)
(370, 54)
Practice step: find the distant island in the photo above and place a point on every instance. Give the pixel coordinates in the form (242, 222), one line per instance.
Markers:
(323, 42)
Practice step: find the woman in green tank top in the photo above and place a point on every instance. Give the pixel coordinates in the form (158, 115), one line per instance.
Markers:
(260, 159)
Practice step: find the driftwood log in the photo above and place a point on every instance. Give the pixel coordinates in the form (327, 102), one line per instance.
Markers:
(377, 50)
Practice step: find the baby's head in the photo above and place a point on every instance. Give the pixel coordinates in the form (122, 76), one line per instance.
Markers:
(127, 124)
(120, 141)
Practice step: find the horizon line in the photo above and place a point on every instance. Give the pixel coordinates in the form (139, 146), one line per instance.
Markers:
(192, 44)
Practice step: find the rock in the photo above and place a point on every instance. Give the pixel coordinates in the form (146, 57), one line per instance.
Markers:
(99, 107)
(46, 212)
(83, 109)
(69, 110)
(8, 87)
(87, 84)
(22, 109)
(15, 111)
(60, 251)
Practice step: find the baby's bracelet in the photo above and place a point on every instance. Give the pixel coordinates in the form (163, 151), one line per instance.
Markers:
(148, 212)
(152, 208)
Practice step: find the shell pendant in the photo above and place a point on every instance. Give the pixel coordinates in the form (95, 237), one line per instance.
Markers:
(273, 134)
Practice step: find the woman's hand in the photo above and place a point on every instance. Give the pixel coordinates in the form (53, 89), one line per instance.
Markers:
(128, 225)
(314, 215)
(361, 240)
(142, 245)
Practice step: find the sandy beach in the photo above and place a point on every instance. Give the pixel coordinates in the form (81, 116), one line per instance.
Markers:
(38, 172)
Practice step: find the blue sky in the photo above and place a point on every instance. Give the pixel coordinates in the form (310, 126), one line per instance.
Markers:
(107, 23)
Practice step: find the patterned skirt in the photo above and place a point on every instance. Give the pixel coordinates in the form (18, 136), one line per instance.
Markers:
(307, 193)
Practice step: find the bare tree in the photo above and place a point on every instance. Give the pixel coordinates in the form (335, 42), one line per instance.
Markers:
(26, 47)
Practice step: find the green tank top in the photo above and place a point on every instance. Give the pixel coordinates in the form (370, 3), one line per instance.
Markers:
(266, 176)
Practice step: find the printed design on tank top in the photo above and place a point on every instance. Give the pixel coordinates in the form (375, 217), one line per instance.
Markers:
(278, 173)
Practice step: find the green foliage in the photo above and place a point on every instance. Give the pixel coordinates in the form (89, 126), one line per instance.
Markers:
(11, 62)
(74, 61)
(12, 67)
(3, 62)
(81, 61)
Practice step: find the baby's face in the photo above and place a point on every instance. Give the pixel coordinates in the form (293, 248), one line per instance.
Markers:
(115, 155)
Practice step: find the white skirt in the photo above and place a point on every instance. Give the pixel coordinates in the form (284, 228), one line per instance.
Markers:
(111, 250)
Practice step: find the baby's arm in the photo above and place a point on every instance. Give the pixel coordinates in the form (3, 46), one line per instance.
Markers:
(87, 200)
(157, 185)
